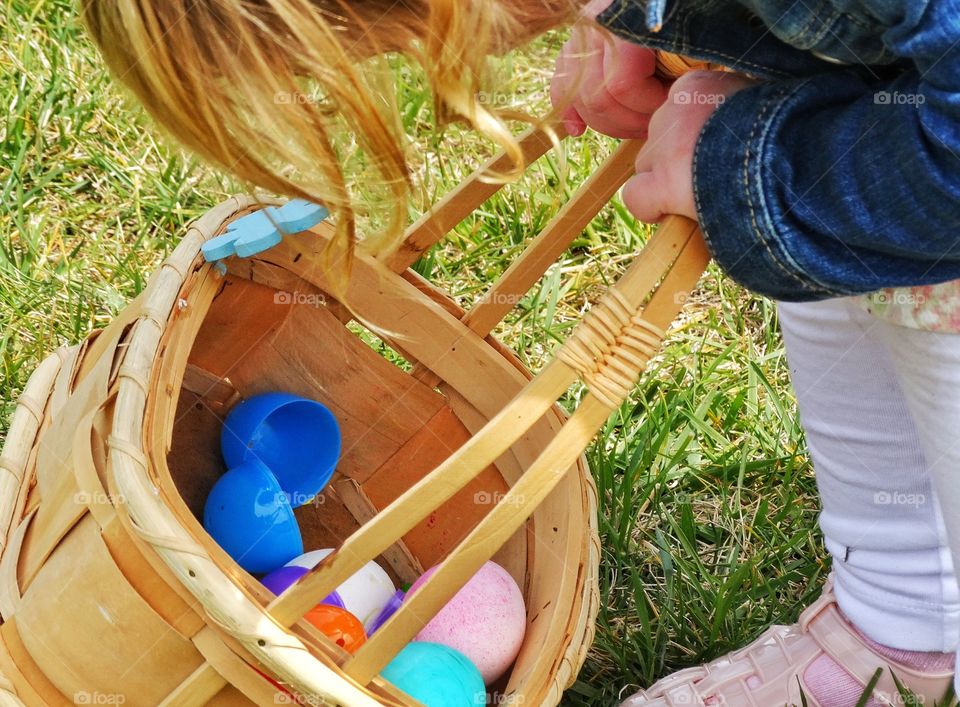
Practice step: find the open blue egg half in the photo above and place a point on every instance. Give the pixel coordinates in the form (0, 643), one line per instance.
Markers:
(298, 439)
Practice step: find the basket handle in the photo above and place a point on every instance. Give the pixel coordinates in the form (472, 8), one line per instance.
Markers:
(466, 197)
(546, 248)
(608, 350)
(627, 338)
(522, 274)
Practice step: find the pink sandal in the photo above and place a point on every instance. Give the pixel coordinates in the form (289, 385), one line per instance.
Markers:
(775, 663)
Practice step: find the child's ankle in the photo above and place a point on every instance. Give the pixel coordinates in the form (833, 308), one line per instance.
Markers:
(923, 661)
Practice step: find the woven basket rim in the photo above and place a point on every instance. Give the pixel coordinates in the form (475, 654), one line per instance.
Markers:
(153, 520)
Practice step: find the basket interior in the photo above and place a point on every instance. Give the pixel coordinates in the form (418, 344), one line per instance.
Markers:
(267, 327)
(395, 428)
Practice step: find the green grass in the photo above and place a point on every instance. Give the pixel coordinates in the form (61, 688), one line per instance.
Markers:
(707, 498)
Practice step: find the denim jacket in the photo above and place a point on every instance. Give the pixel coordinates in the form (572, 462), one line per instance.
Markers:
(839, 174)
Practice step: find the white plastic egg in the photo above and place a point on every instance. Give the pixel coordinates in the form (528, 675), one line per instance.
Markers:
(364, 595)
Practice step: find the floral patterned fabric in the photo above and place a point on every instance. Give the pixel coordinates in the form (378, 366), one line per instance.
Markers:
(932, 307)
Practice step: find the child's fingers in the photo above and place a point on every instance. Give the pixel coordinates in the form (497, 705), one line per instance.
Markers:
(645, 197)
(561, 95)
(573, 123)
(628, 71)
(586, 93)
(615, 121)
(599, 106)
(600, 109)
(632, 59)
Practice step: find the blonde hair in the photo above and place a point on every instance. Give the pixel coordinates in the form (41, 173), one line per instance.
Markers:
(285, 93)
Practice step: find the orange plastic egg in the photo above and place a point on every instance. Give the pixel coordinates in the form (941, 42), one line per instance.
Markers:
(339, 625)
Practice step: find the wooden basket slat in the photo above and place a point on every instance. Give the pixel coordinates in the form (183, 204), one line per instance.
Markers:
(9, 582)
(16, 662)
(230, 666)
(181, 611)
(203, 685)
(466, 197)
(70, 495)
(544, 250)
(22, 433)
(55, 465)
(67, 621)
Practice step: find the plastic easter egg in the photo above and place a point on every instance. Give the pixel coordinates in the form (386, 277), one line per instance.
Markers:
(364, 595)
(437, 676)
(281, 578)
(251, 519)
(389, 610)
(486, 620)
(298, 439)
(339, 625)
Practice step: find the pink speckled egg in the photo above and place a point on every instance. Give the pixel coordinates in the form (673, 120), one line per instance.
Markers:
(485, 620)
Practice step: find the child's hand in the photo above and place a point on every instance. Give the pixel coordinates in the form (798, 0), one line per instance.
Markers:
(606, 83)
(664, 180)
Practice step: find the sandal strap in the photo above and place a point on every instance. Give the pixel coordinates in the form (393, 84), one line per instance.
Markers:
(833, 635)
(838, 639)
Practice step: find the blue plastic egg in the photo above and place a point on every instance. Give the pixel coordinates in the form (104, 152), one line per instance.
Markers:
(437, 676)
(250, 517)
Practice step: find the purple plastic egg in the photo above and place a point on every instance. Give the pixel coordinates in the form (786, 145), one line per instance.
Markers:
(389, 610)
(280, 579)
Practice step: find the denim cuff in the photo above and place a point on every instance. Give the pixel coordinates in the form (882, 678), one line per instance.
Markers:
(730, 170)
(721, 33)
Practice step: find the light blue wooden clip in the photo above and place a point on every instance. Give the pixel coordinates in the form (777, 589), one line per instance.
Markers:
(263, 229)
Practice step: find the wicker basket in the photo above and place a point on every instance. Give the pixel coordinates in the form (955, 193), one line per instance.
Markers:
(111, 591)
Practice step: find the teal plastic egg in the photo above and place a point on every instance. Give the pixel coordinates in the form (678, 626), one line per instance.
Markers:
(437, 676)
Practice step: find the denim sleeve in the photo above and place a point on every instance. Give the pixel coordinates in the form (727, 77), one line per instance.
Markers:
(826, 186)
(841, 182)
(724, 33)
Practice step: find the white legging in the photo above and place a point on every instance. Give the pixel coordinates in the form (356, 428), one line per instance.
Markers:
(880, 405)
